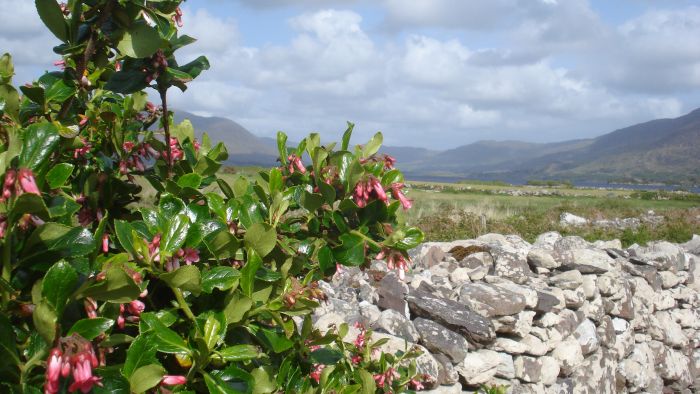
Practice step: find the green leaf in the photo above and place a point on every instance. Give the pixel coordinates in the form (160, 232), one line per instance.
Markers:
(140, 41)
(275, 181)
(169, 205)
(366, 380)
(217, 386)
(240, 187)
(7, 69)
(58, 284)
(112, 381)
(262, 238)
(31, 204)
(117, 287)
(91, 328)
(195, 67)
(141, 352)
(39, 142)
(53, 238)
(45, 319)
(186, 278)
(127, 82)
(146, 377)
(222, 278)
(222, 244)
(393, 176)
(413, 237)
(176, 233)
(346, 136)
(248, 273)
(124, 230)
(264, 382)
(236, 307)
(52, 16)
(275, 340)
(373, 145)
(239, 353)
(59, 174)
(282, 146)
(9, 102)
(190, 180)
(326, 356)
(167, 340)
(326, 261)
(8, 347)
(352, 250)
(214, 330)
(311, 201)
(59, 92)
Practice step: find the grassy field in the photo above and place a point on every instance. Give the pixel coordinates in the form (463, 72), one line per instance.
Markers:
(449, 211)
(454, 211)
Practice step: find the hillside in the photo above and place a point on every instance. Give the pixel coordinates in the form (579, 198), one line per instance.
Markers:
(662, 150)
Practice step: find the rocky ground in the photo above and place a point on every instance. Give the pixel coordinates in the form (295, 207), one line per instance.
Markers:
(561, 315)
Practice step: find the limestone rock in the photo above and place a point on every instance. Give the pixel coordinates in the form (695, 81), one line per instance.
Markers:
(569, 355)
(396, 324)
(586, 261)
(392, 294)
(439, 339)
(662, 255)
(587, 337)
(453, 315)
(479, 367)
(503, 302)
(542, 258)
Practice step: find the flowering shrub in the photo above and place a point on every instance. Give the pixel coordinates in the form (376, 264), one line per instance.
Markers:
(210, 289)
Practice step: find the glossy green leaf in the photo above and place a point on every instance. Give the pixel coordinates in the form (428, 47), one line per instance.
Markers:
(240, 187)
(190, 180)
(117, 287)
(29, 203)
(326, 356)
(59, 92)
(53, 239)
(176, 233)
(262, 238)
(45, 320)
(146, 377)
(214, 330)
(186, 278)
(58, 284)
(239, 353)
(248, 273)
(311, 201)
(217, 386)
(264, 382)
(275, 181)
(282, 146)
(140, 41)
(273, 339)
(373, 145)
(141, 352)
(167, 340)
(352, 250)
(52, 16)
(169, 206)
(39, 142)
(326, 261)
(59, 174)
(412, 238)
(127, 82)
(195, 67)
(9, 102)
(91, 328)
(222, 244)
(124, 230)
(7, 68)
(346, 136)
(8, 348)
(236, 307)
(366, 380)
(222, 278)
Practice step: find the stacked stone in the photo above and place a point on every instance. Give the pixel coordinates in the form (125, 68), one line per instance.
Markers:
(561, 315)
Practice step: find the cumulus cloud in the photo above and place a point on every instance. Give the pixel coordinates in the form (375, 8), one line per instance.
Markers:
(547, 70)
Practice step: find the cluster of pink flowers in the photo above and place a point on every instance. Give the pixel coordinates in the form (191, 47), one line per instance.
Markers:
(394, 260)
(295, 164)
(18, 182)
(73, 354)
(177, 17)
(134, 308)
(86, 216)
(158, 65)
(175, 151)
(373, 189)
(135, 158)
(369, 189)
(316, 371)
(386, 378)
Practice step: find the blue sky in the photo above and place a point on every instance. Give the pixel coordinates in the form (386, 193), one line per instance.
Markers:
(433, 73)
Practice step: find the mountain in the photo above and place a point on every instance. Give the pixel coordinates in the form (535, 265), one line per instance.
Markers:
(244, 147)
(662, 150)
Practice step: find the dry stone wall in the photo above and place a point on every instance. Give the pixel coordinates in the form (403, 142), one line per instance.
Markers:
(561, 315)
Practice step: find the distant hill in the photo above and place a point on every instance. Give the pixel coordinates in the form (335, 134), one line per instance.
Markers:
(662, 150)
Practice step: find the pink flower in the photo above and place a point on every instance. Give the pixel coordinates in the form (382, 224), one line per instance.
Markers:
(53, 371)
(416, 384)
(105, 243)
(196, 146)
(90, 308)
(389, 162)
(315, 373)
(177, 18)
(27, 182)
(190, 256)
(173, 380)
(3, 226)
(8, 184)
(154, 245)
(397, 194)
(83, 379)
(128, 146)
(135, 307)
(295, 162)
(356, 359)
(378, 189)
(83, 120)
(60, 64)
(117, 66)
(359, 195)
(85, 216)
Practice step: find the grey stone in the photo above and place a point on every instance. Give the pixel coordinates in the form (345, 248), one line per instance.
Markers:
(569, 355)
(503, 302)
(547, 240)
(571, 242)
(505, 369)
(479, 367)
(453, 315)
(587, 337)
(569, 280)
(396, 324)
(392, 294)
(439, 339)
(596, 374)
(662, 255)
(586, 261)
(511, 266)
(669, 279)
(547, 302)
(542, 258)
(447, 375)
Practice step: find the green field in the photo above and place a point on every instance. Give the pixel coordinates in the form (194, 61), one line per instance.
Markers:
(455, 211)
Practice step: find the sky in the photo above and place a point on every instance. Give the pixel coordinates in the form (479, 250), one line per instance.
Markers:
(431, 73)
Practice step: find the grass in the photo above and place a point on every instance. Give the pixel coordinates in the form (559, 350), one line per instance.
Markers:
(458, 211)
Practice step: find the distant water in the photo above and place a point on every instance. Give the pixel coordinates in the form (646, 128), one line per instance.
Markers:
(591, 185)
